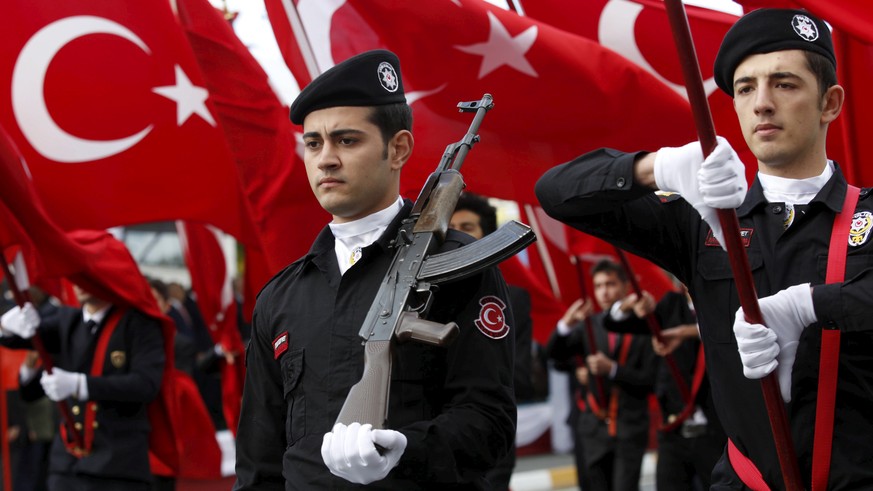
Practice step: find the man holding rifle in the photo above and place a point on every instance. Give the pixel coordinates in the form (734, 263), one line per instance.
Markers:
(451, 412)
(779, 67)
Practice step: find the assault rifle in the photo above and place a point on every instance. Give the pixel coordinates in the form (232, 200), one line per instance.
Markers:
(399, 311)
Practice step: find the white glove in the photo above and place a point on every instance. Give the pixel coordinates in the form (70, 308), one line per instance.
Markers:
(788, 312)
(20, 321)
(722, 178)
(62, 384)
(350, 452)
(683, 170)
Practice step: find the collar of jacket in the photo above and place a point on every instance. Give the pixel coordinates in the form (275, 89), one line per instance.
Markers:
(324, 242)
(831, 195)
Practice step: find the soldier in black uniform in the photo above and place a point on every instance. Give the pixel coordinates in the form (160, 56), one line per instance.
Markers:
(610, 421)
(690, 439)
(107, 384)
(779, 67)
(451, 410)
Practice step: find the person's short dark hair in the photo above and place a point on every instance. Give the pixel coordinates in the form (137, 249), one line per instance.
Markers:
(160, 287)
(607, 266)
(391, 118)
(825, 72)
(480, 206)
(768, 30)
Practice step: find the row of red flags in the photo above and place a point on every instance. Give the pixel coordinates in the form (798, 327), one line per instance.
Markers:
(131, 112)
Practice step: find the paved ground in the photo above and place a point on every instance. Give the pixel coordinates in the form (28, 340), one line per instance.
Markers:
(553, 472)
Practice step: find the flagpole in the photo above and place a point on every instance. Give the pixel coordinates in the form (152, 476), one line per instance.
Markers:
(731, 228)
(596, 380)
(655, 327)
(22, 297)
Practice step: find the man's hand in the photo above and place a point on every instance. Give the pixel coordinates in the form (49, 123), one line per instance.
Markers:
(350, 452)
(787, 313)
(716, 182)
(61, 384)
(20, 321)
(599, 364)
(673, 337)
(582, 375)
(578, 312)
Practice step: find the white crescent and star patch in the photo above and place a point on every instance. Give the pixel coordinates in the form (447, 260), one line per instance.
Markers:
(862, 222)
(492, 321)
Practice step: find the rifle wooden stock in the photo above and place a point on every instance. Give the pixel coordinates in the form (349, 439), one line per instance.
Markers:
(441, 204)
(367, 401)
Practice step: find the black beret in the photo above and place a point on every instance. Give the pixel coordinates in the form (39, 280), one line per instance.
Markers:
(768, 30)
(371, 78)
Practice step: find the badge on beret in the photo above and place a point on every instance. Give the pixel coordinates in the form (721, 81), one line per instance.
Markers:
(387, 76)
(862, 222)
(492, 321)
(804, 27)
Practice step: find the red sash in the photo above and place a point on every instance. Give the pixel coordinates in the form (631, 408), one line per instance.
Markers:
(827, 374)
(90, 422)
(610, 413)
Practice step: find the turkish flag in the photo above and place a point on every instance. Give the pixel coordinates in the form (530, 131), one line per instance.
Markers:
(640, 31)
(263, 143)
(107, 104)
(556, 94)
(211, 281)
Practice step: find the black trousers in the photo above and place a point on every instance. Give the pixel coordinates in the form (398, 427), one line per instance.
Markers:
(681, 459)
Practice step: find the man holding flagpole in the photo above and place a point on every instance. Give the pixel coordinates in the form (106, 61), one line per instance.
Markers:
(806, 234)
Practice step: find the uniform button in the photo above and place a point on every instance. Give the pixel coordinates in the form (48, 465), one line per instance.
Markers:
(777, 209)
(620, 182)
(78, 426)
(95, 425)
(76, 410)
(93, 407)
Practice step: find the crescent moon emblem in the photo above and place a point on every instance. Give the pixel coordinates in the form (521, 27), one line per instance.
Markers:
(487, 316)
(28, 102)
(616, 32)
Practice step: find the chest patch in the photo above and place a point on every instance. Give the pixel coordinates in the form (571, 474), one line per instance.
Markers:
(745, 237)
(862, 222)
(280, 345)
(492, 321)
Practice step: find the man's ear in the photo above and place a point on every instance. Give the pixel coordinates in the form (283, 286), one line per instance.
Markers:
(832, 103)
(400, 149)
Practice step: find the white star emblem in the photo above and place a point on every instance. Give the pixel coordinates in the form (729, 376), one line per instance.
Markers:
(503, 49)
(189, 98)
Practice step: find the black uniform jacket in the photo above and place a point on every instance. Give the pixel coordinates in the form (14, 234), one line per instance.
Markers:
(595, 193)
(131, 378)
(672, 311)
(634, 381)
(455, 405)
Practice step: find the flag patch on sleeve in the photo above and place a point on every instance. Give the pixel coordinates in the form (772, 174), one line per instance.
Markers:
(280, 345)
(492, 321)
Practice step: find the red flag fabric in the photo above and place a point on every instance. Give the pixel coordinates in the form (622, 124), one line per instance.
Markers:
(106, 103)
(639, 31)
(262, 141)
(212, 284)
(102, 265)
(556, 94)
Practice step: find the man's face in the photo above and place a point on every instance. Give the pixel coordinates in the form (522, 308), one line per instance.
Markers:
(82, 296)
(346, 163)
(776, 97)
(468, 222)
(608, 289)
